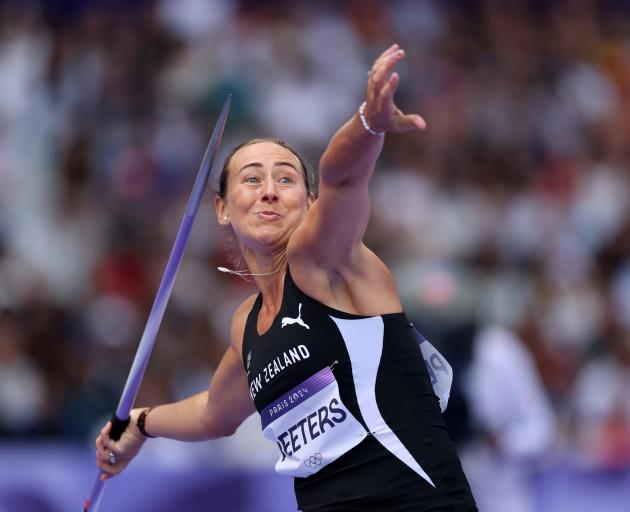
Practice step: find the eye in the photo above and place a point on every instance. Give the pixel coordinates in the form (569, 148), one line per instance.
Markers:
(285, 180)
(252, 179)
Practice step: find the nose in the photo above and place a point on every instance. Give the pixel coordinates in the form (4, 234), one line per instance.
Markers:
(269, 192)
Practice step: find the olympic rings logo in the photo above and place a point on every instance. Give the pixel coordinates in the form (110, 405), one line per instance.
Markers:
(313, 461)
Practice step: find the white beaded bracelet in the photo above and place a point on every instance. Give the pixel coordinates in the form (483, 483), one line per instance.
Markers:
(364, 121)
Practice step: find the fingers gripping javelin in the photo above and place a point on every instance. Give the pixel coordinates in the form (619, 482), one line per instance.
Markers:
(120, 420)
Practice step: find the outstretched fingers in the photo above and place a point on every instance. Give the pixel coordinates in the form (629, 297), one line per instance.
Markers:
(384, 66)
(393, 48)
(381, 111)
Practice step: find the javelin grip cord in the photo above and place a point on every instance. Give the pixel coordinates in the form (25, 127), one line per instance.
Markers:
(118, 427)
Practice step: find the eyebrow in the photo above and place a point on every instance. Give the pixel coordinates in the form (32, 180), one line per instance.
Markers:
(279, 163)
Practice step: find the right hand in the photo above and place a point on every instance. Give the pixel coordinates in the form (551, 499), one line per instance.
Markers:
(125, 449)
(380, 110)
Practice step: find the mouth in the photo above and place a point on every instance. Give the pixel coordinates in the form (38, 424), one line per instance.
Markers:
(268, 215)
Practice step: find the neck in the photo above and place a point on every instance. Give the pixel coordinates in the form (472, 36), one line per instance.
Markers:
(267, 270)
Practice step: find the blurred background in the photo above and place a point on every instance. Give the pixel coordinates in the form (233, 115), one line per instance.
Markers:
(507, 224)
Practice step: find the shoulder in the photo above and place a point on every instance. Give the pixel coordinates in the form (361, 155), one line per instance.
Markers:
(239, 319)
(360, 284)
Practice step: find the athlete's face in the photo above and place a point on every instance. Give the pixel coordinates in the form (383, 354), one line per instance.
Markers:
(266, 197)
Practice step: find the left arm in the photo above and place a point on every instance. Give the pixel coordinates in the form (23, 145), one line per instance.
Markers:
(332, 233)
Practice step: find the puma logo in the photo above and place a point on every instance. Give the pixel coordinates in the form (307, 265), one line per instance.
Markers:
(288, 320)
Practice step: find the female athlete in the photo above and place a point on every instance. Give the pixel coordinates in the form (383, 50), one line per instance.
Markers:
(323, 352)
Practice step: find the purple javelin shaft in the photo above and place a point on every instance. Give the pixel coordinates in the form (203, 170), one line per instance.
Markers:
(149, 335)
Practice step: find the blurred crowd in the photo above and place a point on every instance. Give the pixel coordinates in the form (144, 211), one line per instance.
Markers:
(507, 222)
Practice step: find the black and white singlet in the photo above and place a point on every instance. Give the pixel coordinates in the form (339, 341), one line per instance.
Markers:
(349, 403)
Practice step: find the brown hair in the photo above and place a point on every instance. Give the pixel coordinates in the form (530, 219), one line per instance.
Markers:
(308, 180)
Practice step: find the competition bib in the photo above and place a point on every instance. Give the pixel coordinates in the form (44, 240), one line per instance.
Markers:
(311, 426)
(439, 370)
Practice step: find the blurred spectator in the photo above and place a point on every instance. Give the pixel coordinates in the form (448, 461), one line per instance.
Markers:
(602, 404)
(22, 394)
(514, 418)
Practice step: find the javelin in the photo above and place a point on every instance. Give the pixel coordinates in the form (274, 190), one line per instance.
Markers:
(121, 419)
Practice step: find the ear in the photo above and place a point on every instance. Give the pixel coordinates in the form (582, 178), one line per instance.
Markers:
(223, 218)
(310, 199)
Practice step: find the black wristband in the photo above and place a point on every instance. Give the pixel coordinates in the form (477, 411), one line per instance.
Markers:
(141, 419)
